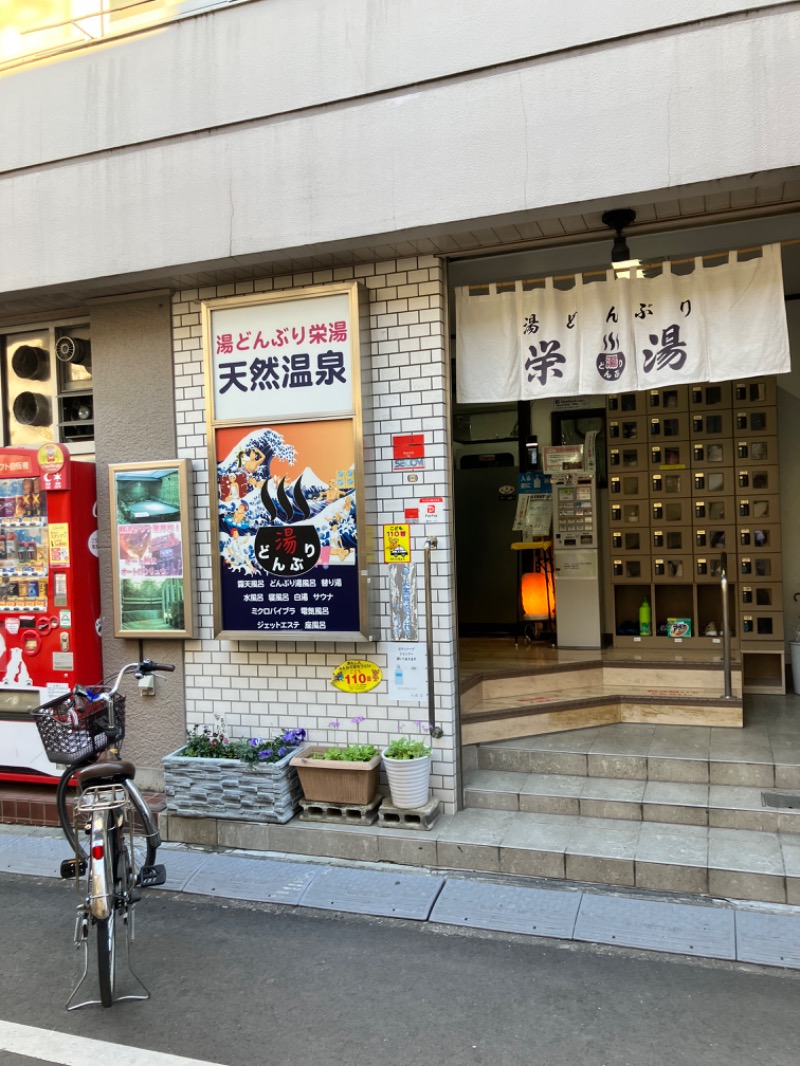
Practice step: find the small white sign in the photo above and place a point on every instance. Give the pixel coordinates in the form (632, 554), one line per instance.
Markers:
(407, 671)
(430, 508)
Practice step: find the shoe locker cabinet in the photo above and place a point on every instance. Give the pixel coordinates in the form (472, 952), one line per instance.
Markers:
(693, 481)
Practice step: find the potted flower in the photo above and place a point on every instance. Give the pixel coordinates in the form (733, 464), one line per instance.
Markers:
(408, 770)
(214, 776)
(339, 773)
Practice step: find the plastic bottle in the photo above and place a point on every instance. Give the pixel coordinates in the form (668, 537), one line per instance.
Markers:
(645, 619)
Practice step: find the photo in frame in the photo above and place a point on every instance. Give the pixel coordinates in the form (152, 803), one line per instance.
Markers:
(153, 563)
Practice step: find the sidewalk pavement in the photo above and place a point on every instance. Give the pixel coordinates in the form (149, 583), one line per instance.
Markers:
(737, 931)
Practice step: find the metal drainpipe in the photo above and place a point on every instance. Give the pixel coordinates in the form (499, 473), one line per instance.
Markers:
(435, 730)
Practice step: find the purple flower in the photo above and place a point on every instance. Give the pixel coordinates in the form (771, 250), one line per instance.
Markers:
(334, 725)
(358, 719)
(267, 754)
(282, 752)
(294, 737)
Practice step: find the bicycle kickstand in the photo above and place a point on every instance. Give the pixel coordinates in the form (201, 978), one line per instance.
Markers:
(82, 922)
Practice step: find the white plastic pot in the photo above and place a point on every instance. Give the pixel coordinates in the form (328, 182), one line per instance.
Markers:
(409, 780)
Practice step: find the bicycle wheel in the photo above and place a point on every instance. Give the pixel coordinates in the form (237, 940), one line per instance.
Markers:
(63, 814)
(106, 928)
(146, 839)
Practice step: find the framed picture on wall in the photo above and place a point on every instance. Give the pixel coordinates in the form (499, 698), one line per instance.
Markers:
(153, 563)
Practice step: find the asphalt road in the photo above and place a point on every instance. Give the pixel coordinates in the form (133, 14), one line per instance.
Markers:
(246, 984)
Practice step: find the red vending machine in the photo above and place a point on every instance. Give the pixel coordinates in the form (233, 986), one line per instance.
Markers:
(49, 595)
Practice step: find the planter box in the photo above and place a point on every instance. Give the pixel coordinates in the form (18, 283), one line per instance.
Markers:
(228, 788)
(337, 782)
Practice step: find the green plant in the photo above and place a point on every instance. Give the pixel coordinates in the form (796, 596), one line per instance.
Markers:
(211, 742)
(407, 748)
(352, 753)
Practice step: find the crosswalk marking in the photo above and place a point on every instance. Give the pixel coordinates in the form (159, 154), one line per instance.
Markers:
(63, 1049)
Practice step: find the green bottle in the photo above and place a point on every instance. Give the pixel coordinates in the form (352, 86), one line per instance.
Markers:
(645, 619)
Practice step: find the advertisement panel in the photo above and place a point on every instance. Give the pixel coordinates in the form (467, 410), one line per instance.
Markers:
(283, 385)
(151, 554)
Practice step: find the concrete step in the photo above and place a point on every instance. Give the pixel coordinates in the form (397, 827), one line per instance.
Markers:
(657, 856)
(720, 806)
(727, 863)
(686, 755)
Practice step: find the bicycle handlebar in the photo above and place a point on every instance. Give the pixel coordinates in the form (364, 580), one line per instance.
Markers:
(147, 666)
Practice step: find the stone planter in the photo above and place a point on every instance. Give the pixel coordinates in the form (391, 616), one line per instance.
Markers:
(337, 782)
(409, 781)
(228, 788)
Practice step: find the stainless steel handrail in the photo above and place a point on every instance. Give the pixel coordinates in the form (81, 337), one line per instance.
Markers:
(435, 730)
(726, 638)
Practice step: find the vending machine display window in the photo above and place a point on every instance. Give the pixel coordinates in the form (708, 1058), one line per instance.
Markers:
(49, 594)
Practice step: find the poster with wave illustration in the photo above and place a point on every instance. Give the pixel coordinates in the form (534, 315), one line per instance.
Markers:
(288, 528)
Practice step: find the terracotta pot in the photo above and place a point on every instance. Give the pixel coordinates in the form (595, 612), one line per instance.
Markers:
(330, 781)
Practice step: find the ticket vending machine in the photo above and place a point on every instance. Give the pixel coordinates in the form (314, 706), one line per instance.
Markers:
(577, 577)
(49, 595)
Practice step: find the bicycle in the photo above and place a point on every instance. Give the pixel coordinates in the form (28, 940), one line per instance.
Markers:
(77, 728)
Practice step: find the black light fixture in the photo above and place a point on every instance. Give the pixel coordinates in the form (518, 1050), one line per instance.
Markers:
(618, 219)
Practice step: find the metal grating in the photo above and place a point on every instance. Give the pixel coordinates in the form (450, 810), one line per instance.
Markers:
(789, 801)
(392, 895)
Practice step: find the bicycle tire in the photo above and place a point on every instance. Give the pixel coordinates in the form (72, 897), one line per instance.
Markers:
(144, 849)
(63, 814)
(145, 839)
(106, 928)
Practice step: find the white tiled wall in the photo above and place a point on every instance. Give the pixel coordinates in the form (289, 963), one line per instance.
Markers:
(260, 685)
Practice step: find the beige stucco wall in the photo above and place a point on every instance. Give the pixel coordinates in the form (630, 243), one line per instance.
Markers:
(134, 390)
(193, 146)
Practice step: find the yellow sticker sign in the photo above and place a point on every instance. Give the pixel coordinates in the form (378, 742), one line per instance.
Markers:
(397, 543)
(58, 541)
(357, 675)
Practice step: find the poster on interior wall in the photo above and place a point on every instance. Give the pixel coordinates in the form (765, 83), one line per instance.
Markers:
(283, 404)
(152, 560)
(287, 514)
(707, 320)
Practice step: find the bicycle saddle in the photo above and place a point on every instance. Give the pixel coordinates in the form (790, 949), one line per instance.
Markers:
(111, 770)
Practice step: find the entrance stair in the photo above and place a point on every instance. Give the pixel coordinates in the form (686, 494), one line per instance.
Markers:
(704, 810)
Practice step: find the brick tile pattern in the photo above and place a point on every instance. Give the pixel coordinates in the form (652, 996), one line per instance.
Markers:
(260, 684)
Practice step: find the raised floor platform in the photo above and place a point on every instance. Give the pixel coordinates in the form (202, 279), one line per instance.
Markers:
(526, 696)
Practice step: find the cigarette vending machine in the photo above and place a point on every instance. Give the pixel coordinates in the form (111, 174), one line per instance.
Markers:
(49, 595)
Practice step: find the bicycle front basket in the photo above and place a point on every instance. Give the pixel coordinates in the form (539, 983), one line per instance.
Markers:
(72, 728)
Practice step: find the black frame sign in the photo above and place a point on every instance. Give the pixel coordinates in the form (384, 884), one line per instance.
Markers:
(283, 401)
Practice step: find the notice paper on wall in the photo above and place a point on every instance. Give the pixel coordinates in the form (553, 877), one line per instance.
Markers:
(407, 671)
